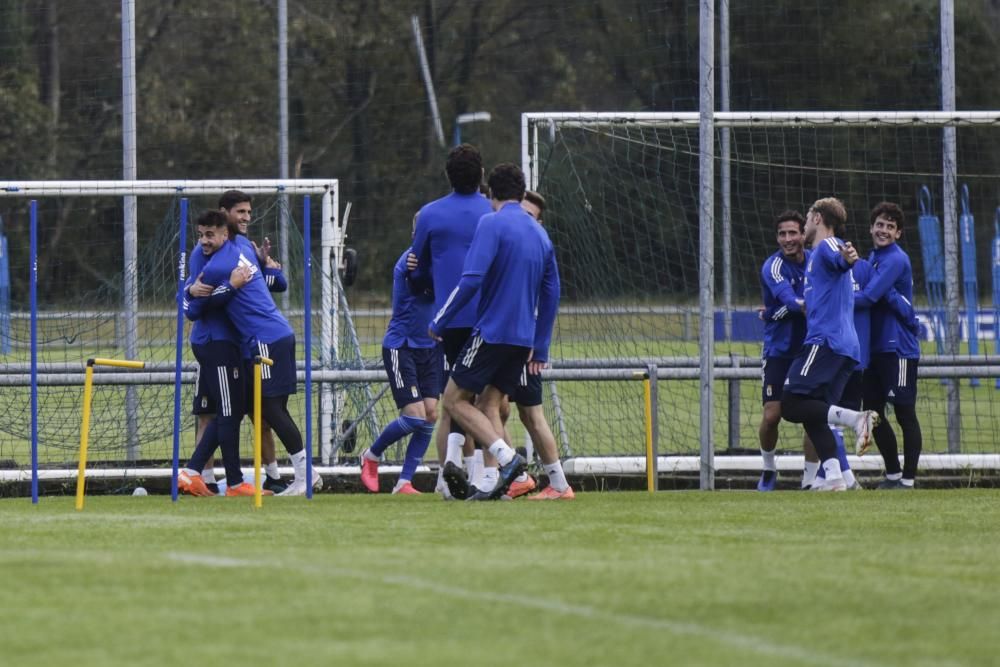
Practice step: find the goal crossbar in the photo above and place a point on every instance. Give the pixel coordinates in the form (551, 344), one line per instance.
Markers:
(165, 187)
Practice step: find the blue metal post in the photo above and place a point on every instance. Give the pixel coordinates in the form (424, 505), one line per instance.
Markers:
(178, 356)
(33, 295)
(307, 333)
(967, 231)
(933, 255)
(996, 285)
(4, 293)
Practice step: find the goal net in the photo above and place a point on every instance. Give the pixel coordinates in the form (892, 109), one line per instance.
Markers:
(87, 306)
(623, 200)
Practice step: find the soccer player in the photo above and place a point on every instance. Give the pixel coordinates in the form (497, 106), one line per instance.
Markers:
(413, 361)
(528, 398)
(250, 308)
(445, 228)
(216, 346)
(511, 265)
(818, 374)
(238, 208)
(782, 280)
(895, 351)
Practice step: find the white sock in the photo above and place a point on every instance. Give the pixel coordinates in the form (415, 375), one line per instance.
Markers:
(768, 457)
(488, 481)
(473, 469)
(523, 477)
(894, 476)
(299, 465)
(208, 474)
(400, 483)
(370, 457)
(454, 449)
(809, 471)
(907, 482)
(502, 451)
(842, 417)
(849, 477)
(832, 469)
(195, 473)
(557, 478)
(272, 470)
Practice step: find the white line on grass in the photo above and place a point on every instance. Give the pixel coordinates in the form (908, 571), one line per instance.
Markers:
(712, 634)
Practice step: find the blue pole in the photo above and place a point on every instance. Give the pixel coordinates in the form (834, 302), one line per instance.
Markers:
(4, 293)
(996, 285)
(967, 226)
(307, 326)
(33, 295)
(933, 255)
(178, 356)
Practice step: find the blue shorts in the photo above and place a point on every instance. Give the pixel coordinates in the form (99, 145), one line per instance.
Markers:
(452, 342)
(891, 379)
(221, 377)
(773, 371)
(414, 373)
(819, 372)
(279, 379)
(529, 389)
(202, 404)
(854, 391)
(480, 364)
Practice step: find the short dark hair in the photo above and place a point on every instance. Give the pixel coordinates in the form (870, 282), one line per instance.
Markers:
(506, 182)
(534, 198)
(464, 168)
(831, 210)
(231, 198)
(886, 209)
(212, 219)
(790, 215)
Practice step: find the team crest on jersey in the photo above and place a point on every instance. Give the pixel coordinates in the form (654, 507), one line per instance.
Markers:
(236, 374)
(769, 391)
(204, 402)
(414, 392)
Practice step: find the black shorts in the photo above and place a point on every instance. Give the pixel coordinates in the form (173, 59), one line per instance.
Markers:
(278, 379)
(773, 371)
(453, 340)
(819, 372)
(221, 377)
(529, 389)
(891, 379)
(854, 391)
(414, 373)
(480, 364)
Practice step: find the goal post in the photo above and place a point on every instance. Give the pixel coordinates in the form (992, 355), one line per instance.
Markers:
(624, 190)
(76, 322)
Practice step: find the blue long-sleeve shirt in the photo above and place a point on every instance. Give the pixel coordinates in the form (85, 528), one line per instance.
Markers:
(890, 332)
(445, 228)
(411, 314)
(829, 296)
(782, 283)
(512, 260)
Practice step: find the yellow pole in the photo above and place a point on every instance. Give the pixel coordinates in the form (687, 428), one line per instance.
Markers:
(257, 435)
(88, 393)
(81, 473)
(650, 481)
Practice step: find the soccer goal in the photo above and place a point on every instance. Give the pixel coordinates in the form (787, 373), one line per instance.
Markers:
(94, 271)
(623, 197)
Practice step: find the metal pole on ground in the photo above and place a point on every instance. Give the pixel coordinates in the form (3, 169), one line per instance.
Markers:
(178, 351)
(706, 241)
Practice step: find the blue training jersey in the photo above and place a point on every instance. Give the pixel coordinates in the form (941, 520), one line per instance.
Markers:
(512, 260)
(860, 276)
(890, 331)
(829, 295)
(445, 228)
(782, 281)
(411, 314)
(211, 325)
(250, 308)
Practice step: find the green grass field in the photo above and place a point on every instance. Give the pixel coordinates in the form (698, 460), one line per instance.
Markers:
(695, 578)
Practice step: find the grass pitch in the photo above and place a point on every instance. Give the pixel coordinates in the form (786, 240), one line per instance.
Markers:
(699, 578)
